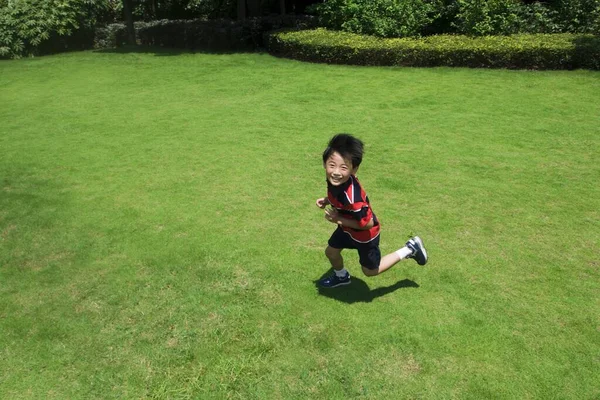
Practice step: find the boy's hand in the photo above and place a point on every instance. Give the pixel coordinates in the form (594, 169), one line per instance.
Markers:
(322, 202)
(332, 216)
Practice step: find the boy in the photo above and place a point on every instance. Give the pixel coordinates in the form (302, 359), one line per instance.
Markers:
(357, 225)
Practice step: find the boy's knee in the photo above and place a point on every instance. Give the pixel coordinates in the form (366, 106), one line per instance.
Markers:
(370, 272)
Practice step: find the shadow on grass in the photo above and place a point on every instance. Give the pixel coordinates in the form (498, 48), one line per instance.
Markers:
(165, 51)
(35, 212)
(359, 292)
(158, 51)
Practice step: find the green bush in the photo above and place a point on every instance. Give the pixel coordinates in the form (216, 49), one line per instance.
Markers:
(489, 17)
(384, 18)
(525, 51)
(25, 25)
(110, 36)
(581, 16)
(405, 18)
(539, 18)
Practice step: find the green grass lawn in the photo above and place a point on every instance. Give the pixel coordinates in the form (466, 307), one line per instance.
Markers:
(159, 238)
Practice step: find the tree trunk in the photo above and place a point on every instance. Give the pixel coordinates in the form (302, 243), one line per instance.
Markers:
(241, 10)
(282, 7)
(155, 9)
(254, 8)
(128, 11)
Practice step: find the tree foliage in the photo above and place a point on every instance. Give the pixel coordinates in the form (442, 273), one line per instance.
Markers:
(504, 17)
(399, 18)
(386, 18)
(488, 17)
(579, 16)
(25, 24)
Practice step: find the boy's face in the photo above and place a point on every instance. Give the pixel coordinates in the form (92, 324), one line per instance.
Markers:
(338, 170)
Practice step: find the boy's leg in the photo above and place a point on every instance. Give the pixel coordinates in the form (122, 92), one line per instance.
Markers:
(370, 258)
(414, 248)
(387, 262)
(340, 275)
(335, 258)
(337, 242)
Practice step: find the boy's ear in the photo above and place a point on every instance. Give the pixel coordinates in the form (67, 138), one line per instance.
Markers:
(354, 171)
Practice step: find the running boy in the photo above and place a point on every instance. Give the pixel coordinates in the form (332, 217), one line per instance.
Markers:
(357, 225)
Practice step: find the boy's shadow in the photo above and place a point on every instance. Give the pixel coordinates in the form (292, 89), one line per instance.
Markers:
(358, 291)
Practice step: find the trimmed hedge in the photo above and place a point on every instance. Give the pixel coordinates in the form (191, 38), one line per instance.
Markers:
(538, 51)
(203, 35)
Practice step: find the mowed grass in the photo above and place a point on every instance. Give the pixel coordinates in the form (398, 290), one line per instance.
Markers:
(159, 238)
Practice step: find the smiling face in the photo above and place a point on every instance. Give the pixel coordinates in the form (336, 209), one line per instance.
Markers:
(338, 169)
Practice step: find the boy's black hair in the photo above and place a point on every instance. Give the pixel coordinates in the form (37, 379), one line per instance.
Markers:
(349, 147)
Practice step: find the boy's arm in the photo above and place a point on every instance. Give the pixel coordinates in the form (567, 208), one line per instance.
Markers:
(333, 216)
(354, 224)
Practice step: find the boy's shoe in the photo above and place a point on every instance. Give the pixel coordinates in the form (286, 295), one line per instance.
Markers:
(418, 250)
(334, 281)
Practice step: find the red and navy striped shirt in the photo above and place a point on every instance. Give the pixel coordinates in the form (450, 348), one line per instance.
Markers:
(351, 201)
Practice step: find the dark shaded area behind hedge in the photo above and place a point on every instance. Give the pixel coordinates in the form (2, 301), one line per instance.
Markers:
(202, 35)
(82, 39)
(525, 51)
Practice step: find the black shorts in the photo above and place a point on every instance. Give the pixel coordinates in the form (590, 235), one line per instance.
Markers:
(369, 253)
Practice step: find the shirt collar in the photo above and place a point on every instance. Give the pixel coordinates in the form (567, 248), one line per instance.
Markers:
(339, 189)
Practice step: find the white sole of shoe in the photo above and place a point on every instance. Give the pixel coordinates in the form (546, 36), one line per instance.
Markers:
(418, 240)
